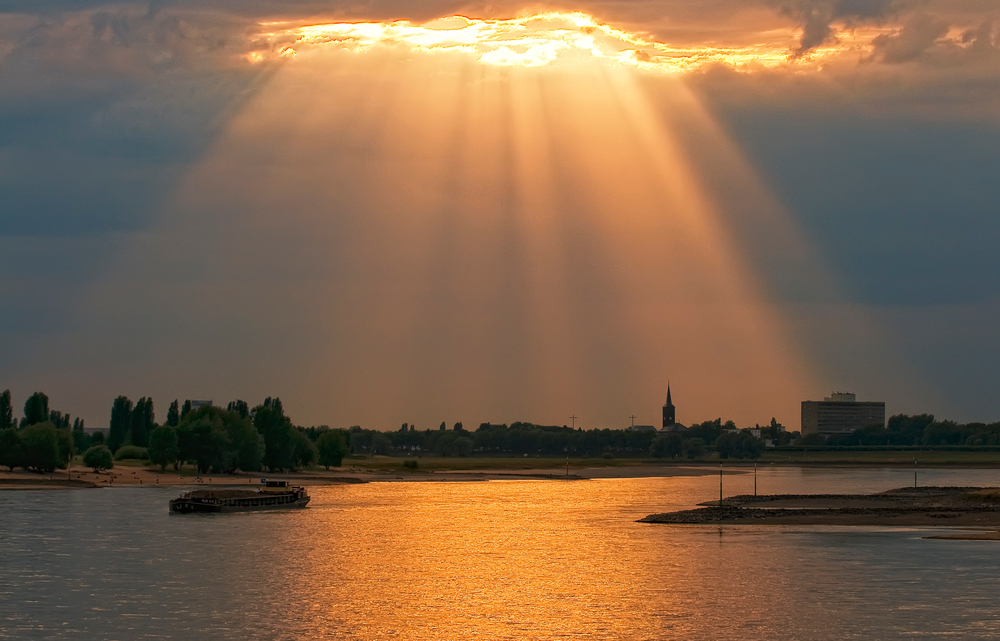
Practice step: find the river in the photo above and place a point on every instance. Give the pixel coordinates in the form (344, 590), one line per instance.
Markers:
(488, 560)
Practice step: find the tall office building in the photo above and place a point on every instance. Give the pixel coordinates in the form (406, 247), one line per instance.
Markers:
(840, 413)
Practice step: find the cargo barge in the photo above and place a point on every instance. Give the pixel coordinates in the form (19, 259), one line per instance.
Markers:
(274, 495)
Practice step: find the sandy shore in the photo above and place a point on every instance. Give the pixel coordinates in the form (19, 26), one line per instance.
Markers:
(83, 477)
(914, 507)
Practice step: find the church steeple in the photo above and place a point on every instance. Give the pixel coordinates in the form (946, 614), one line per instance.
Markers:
(668, 411)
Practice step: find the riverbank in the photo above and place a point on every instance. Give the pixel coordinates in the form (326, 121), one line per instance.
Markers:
(368, 470)
(914, 507)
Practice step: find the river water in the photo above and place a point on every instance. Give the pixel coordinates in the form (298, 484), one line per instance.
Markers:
(489, 560)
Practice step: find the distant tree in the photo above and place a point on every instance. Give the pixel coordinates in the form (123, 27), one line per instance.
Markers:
(240, 408)
(443, 427)
(404, 427)
(666, 445)
(36, 409)
(707, 431)
(462, 446)
(693, 447)
(10, 448)
(246, 442)
(59, 419)
(40, 447)
(458, 427)
(185, 409)
(81, 442)
(174, 414)
(210, 444)
(332, 447)
(121, 420)
(141, 421)
(304, 450)
(99, 458)
(67, 446)
(381, 444)
(276, 428)
(78, 424)
(162, 448)
(6, 411)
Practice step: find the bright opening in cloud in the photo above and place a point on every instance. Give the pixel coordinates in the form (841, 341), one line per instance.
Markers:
(539, 40)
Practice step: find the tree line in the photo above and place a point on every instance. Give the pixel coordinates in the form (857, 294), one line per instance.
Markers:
(522, 438)
(237, 438)
(921, 430)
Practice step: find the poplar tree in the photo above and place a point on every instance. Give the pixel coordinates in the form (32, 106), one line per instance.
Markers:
(141, 421)
(174, 414)
(36, 409)
(121, 418)
(6, 411)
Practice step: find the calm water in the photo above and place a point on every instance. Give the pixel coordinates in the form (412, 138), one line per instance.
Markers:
(497, 560)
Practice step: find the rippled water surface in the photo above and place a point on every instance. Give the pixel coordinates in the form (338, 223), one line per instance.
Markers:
(492, 560)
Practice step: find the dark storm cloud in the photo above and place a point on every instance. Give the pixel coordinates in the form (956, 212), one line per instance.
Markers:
(918, 34)
(817, 17)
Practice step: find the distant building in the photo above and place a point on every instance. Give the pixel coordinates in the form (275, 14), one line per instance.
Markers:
(670, 423)
(197, 405)
(840, 413)
(642, 428)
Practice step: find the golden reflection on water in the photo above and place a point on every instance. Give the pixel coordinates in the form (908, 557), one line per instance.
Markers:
(497, 560)
(550, 560)
(488, 560)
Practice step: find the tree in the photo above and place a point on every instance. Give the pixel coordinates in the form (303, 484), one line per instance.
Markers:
(210, 444)
(664, 445)
(443, 427)
(186, 409)
(241, 408)
(332, 446)
(219, 440)
(693, 447)
(40, 448)
(6, 411)
(141, 421)
(246, 442)
(162, 448)
(304, 450)
(10, 448)
(99, 458)
(174, 414)
(381, 444)
(67, 446)
(121, 419)
(36, 409)
(276, 428)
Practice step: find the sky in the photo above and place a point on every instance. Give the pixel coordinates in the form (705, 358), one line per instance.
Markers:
(389, 212)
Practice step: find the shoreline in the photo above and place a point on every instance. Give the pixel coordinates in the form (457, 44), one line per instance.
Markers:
(390, 470)
(81, 477)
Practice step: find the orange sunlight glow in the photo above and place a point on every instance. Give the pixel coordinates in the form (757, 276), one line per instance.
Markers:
(546, 38)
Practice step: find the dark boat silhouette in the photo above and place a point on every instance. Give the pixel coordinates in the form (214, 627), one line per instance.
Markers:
(274, 495)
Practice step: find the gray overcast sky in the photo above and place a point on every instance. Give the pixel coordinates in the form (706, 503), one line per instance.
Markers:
(178, 220)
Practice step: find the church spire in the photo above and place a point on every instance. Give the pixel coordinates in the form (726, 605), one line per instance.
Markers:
(669, 417)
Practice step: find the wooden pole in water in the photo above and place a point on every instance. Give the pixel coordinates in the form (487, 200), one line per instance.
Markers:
(720, 486)
(755, 478)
